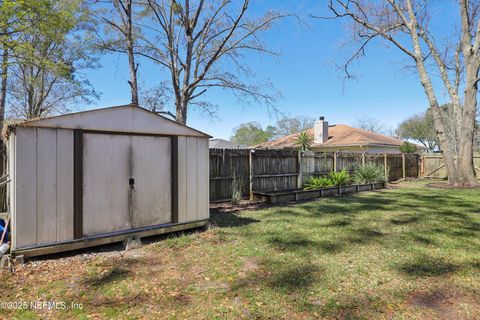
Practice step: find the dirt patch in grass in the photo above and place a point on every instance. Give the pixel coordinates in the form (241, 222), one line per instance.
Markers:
(228, 207)
(444, 303)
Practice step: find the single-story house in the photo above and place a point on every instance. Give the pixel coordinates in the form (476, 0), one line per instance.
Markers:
(217, 143)
(339, 138)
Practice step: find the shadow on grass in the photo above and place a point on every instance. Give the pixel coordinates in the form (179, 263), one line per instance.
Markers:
(474, 226)
(223, 220)
(298, 244)
(436, 201)
(425, 266)
(347, 206)
(294, 278)
(116, 273)
(339, 223)
(287, 277)
(364, 235)
(423, 240)
(404, 220)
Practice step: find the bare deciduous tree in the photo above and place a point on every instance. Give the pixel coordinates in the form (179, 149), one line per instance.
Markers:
(369, 124)
(201, 44)
(290, 125)
(405, 24)
(156, 99)
(119, 36)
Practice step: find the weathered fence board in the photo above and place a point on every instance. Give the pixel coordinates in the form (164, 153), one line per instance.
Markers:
(270, 170)
(348, 161)
(277, 170)
(227, 166)
(395, 167)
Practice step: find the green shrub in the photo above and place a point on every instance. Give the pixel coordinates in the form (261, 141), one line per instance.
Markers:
(339, 178)
(318, 183)
(369, 173)
(408, 147)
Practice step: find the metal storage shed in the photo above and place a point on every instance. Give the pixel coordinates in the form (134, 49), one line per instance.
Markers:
(100, 176)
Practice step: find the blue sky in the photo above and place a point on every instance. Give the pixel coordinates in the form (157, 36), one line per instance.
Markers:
(305, 74)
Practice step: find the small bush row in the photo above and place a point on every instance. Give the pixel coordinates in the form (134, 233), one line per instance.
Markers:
(369, 173)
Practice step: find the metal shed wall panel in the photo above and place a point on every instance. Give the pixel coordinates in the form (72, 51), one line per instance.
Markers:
(105, 183)
(42, 199)
(46, 185)
(25, 221)
(11, 173)
(64, 185)
(192, 176)
(152, 195)
(203, 205)
(193, 179)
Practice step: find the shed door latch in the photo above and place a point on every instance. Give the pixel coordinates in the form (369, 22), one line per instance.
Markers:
(131, 182)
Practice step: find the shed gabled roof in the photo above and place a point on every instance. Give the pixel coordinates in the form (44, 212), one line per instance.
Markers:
(125, 118)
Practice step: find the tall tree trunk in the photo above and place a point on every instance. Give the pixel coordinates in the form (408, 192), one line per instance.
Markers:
(3, 88)
(181, 110)
(131, 57)
(465, 165)
(133, 76)
(460, 168)
(3, 98)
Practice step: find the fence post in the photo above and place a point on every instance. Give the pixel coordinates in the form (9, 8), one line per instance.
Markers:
(250, 173)
(385, 165)
(421, 160)
(403, 166)
(299, 169)
(335, 161)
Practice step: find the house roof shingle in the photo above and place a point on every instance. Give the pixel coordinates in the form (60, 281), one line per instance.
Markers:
(338, 135)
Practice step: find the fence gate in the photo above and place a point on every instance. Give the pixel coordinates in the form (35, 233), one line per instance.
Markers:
(433, 166)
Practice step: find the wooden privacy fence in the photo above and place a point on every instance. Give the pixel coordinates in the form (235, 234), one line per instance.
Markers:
(433, 166)
(267, 170)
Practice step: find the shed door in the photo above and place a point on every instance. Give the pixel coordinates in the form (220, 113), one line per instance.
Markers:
(106, 191)
(152, 192)
(126, 182)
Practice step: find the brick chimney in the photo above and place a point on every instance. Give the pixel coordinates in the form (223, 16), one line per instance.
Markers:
(320, 131)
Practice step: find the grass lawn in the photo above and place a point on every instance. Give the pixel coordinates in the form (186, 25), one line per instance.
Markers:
(409, 252)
